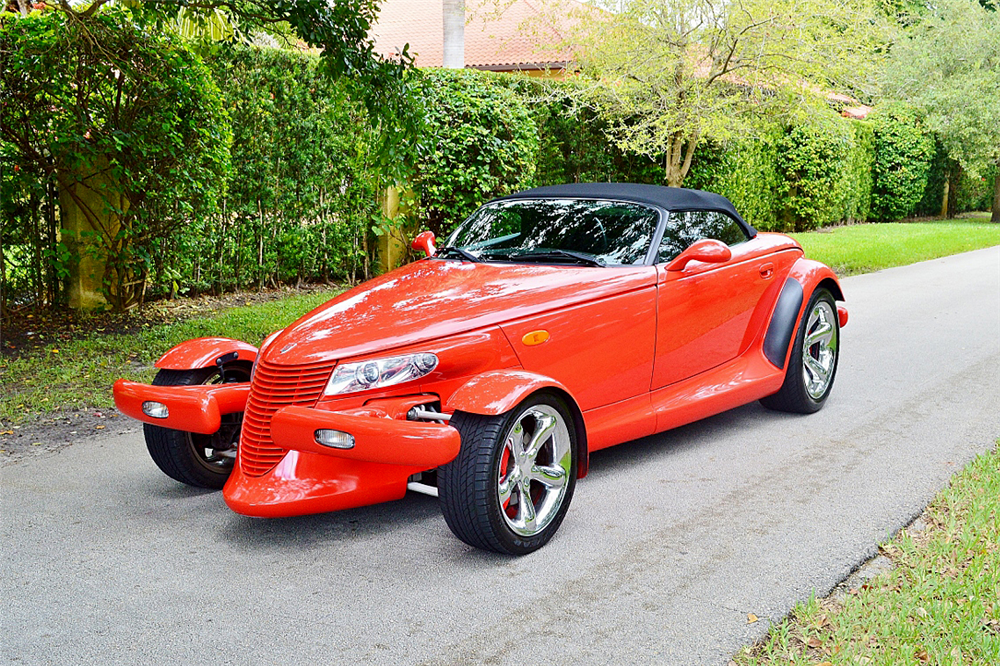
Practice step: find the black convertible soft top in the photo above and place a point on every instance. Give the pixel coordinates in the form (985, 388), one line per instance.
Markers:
(668, 198)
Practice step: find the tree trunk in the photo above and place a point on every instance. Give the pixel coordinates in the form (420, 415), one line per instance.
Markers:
(954, 177)
(453, 15)
(996, 196)
(679, 156)
(945, 208)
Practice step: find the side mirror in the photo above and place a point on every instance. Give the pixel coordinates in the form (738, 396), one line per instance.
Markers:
(425, 243)
(709, 250)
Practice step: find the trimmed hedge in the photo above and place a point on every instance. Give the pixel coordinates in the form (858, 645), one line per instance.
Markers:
(903, 155)
(480, 141)
(745, 171)
(302, 199)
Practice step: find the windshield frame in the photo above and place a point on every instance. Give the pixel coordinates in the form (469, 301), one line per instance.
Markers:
(648, 260)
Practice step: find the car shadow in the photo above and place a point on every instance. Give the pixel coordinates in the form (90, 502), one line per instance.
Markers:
(662, 446)
(386, 520)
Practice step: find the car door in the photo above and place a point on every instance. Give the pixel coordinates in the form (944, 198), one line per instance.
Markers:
(703, 311)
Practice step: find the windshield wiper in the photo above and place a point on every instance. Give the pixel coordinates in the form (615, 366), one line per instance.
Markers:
(464, 254)
(556, 255)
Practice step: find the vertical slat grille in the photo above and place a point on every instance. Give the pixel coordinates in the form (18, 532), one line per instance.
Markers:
(275, 386)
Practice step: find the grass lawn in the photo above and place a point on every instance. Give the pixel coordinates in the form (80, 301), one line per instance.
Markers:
(940, 604)
(80, 373)
(863, 248)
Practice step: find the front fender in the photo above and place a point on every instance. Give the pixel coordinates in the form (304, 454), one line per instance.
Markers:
(190, 408)
(203, 353)
(497, 391)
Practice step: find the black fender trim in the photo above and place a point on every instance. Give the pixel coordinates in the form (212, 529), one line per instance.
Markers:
(782, 327)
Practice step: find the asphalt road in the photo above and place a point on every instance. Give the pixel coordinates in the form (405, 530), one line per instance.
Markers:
(670, 541)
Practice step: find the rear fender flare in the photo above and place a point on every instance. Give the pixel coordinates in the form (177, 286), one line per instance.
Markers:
(803, 279)
(498, 391)
(206, 352)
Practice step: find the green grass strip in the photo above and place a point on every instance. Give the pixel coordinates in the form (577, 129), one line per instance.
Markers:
(939, 605)
(863, 248)
(80, 373)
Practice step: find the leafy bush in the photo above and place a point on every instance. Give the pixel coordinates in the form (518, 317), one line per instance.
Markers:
(573, 143)
(743, 170)
(854, 187)
(125, 122)
(933, 197)
(903, 155)
(304, 189)
(812, 158)
(480, 143)
(975, 192)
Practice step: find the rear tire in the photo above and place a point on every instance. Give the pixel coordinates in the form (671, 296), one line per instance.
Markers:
(511, 484)
(202, 461)
(812, 365)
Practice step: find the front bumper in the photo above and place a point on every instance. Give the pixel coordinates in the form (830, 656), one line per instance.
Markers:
(190, 408)
(377, 440)
(313, 478)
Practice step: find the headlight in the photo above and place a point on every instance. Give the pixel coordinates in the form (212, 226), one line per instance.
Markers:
(379, 373)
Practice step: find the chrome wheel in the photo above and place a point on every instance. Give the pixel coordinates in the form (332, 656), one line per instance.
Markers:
(819, 350)
(534, 469)
(217, 452)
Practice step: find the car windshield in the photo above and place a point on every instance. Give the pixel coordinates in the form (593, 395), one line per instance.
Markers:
(578, 231)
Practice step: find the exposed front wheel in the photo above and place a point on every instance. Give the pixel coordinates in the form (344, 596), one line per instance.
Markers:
(812, 365)
(202, 461)
(511, 484)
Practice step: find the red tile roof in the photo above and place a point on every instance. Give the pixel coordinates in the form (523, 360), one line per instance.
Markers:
(520, 38)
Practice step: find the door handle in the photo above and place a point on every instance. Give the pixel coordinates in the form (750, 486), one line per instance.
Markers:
(766, 270)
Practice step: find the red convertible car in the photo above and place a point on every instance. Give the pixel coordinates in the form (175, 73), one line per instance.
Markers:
(550, 324)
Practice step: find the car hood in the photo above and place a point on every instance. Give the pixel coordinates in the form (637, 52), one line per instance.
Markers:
(434, 298)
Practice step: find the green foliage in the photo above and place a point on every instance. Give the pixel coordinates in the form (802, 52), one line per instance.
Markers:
(947, 66)
(975, 191)
(668, 75)
(812, 160)
(480, 143)
(903, 155)
(341, 29)
(744, 170)
(937, 174)
(574, 146)
(854, 187)
(304, 186)
(95, 103)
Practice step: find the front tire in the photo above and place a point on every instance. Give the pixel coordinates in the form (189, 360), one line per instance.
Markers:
(812, 365)
(202, 461)
(511, 484)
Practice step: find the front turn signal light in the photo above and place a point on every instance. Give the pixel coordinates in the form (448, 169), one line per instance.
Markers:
(157, 410)
(335, 439)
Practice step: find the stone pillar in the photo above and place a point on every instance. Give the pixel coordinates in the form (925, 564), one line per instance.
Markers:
(393, 243)
(86, 220)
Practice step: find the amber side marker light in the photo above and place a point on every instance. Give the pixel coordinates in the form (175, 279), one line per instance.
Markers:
(157, 410)
(535, 338)
(335, 439)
